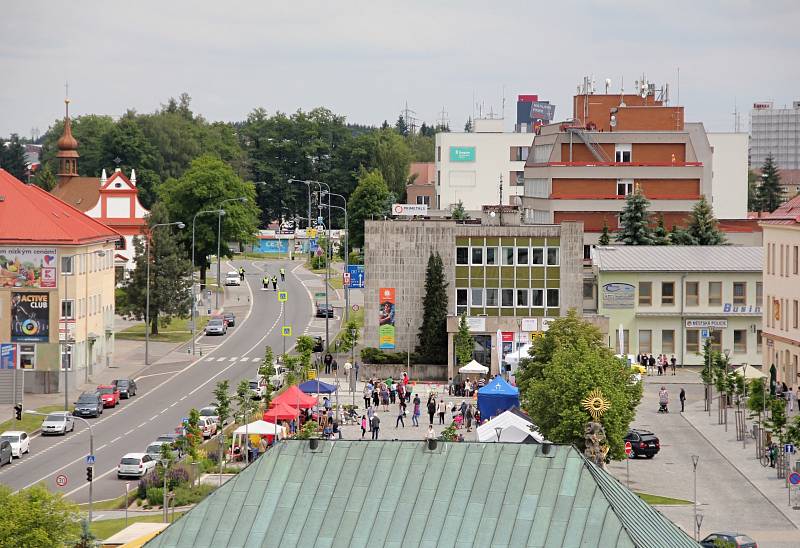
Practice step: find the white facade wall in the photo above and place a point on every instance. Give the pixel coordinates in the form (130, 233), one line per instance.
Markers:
(729, 174)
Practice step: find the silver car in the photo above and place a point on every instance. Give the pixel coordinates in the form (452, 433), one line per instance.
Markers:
(59, 422)
(215, 326)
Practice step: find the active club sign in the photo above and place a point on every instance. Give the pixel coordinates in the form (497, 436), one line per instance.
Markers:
(30, 317)
(386, 318)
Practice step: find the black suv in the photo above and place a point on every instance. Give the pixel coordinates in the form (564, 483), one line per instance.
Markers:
(643, 442)
(126, 387)
(88, 405)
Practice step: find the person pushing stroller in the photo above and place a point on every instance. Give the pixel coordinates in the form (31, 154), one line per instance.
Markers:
(663, 400)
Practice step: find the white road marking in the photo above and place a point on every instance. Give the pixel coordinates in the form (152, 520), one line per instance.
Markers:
(157, 374)
(154, 417)
(143, 424)
(129, 432)
(233, 359)
(183, 398)
(115, 439)
(221, 359)
(255, 360)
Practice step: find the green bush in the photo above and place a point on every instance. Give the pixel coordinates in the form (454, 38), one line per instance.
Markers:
(377, 356)
(155, 496)
(191, 495)
(356, 258)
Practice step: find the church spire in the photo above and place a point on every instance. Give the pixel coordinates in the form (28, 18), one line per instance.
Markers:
(67, 149)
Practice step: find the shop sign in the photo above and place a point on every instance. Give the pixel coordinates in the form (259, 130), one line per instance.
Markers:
(729, 308)
(546, 323)
(8, 356)
(529, 324)
(462, 154)
(707, 324)
(409, 209)
(28, 267)
(476, 324)
(30, 317)
(616, 295)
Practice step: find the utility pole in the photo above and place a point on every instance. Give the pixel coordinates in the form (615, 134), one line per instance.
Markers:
(500, 212)
(695, 461)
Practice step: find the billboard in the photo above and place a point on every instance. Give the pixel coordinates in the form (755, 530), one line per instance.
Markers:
(409, 209)
(386, 318)
(28, 267)
(462, 154)
(8, 356)
(617, 295)
(30, 317)
(356, 272)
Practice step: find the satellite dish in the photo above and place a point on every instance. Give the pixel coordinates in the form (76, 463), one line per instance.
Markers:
(492, 214)
(613, 122)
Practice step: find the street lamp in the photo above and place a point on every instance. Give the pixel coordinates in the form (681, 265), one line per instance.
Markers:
(180, 225)
(194, 300)
(308, 219)
(240, 199)
(164, 465)
(744, 405)
(695, 461)
(346, 259)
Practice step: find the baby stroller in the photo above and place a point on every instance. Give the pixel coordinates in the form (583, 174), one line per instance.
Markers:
(663, 401)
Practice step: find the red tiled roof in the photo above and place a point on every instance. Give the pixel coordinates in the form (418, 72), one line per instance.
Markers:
(788, 213)
(30, 216)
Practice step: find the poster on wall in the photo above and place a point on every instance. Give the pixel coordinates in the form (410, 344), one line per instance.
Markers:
(617, 295)
(386, 318)
(8, 356)
(30, 317)
(28, 267)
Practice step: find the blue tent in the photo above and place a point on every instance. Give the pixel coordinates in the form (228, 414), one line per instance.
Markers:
(496, 397)
(317, 387)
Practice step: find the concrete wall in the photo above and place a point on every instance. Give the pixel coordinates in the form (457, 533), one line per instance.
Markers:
(729, 175)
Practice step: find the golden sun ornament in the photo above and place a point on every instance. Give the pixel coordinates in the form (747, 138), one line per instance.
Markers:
(596, 404)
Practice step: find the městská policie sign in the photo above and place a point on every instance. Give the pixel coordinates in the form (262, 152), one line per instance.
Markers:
(707, 324)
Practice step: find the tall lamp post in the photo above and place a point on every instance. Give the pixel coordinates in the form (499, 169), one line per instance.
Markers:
(727, 353)
(695, 462)
(194, 300)
(346, 256)
(240, 199)
(308, 189)
(180, 225)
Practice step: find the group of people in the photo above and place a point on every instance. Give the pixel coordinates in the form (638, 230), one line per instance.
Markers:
(465, 388)
(381, 393)
(661, 363)
(266, 280)
(787, 394)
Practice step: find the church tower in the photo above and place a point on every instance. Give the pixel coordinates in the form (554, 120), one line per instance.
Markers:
(67, 150)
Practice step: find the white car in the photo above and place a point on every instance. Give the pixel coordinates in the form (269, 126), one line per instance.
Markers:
(232, 278)
(20, 442)
(135, 464)
(208, 427)
(210, 411)
(59, 422)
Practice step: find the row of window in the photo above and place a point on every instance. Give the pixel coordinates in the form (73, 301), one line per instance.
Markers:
(27, 356)
(692, 293)
(779, 316)
(507, 256)
(787, 257)
(490, 297)
(95, 263)
(694, 341)
(94, 302)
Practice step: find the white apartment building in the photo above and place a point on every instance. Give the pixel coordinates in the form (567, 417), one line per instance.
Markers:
(668, 299)
(470, 166)
(782, 289)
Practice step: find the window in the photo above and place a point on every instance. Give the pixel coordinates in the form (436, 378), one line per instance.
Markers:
(119, 244)
(518, 178)
(759, 294)
(522, 255)
(491, 297)
(624, 187)
(426, 200)
(68, 309)
(782, 271)
(66, 357)
(552, 256)
(645, 293)
(769, 258)
(507, 297)
(758, 341)
(794, 314)
(645, 341)
(739, 293)
(461, 301)
(795, 259)
(438, 154)
(462, 255)
(716, 340)
(508, 256)
(552, 298)
(66, 265)
(625, 341)
(522, 298)
(692, 293)
(714, 293)
(667, 293)
(693, 340)
(587, 252)
(622, 153)
(491, 255)
(588, 290)
(477, 255)
(27, 356)
(668, 341)
(740, 341)
(537, 256)
(537, 298)
(477, 297)
(772, 259)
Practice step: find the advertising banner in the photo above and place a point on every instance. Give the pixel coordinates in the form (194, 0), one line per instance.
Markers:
(28, 267)
(30, 317)
(618, 295)
(386, 318)
(409, 209)
(462, 154)
(8, 356)
(356, 272)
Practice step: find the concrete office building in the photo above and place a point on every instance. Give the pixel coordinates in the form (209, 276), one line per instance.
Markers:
(776, 131)
(667, 299)
(506, 279)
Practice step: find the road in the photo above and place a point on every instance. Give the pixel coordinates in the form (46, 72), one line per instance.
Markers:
(168, 389)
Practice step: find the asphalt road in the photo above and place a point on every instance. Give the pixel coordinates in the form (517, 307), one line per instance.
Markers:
(169, 389)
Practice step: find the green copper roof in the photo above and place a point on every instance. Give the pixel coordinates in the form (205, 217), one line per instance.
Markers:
(400, 494)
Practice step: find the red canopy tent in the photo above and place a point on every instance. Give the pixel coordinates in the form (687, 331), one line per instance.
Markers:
(281, 412)
(294, 397)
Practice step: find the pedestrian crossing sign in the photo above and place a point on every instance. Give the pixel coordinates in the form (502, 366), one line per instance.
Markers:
(283, 296)
(286, 331)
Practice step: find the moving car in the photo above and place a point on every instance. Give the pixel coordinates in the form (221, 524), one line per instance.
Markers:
(109, 394)
(59, 422)
(230, 319)
(728, 539)
(232, 278)
(126, 387)
(208, 427)
(643, 442)
(321, 311)
(135, 464)
(5, 452)
(88, 405)
(215, 326)
(19, 440)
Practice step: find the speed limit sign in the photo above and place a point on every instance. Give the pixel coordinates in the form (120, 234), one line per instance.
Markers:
(61, 480)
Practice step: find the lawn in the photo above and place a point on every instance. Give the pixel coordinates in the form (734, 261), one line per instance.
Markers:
(112, 504)
(104, 528)
(666, 501)
(29, 423)
(178, 330)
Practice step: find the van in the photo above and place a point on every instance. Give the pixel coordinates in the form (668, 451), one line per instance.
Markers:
(5, 452)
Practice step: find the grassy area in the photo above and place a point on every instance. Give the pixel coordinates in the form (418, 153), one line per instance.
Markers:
(667, 501)
(355, 315)
(112, 504)
(336, 282)
(29, 423)
(107, 527)
(178, 330)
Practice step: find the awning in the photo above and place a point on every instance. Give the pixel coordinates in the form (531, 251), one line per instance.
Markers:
(317, 387)
(281, 412)
(474, 368)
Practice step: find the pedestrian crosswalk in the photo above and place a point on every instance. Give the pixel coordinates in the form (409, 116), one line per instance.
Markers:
(219, 359)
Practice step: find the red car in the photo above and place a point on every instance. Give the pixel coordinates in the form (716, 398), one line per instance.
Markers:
(109, 394)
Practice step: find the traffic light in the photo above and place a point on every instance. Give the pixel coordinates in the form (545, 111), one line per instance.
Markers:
(18, 411)
(89, 473)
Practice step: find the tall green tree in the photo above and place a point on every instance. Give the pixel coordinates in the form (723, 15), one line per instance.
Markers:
(432, 345)
(605, 237)
(170, 288)
(459, 213)
(392, 159)
(703, 226)
(464, 342)
(36, 517)
(12, 157)
(370, 198)
(770, 192)
(194, 436)
(44, 178)
(660, 234)
(126, 146)
(244, 401)
(634, 221)
(266, 371)
(222, 401)
(680, 236)
(401, 126)
(90, 130)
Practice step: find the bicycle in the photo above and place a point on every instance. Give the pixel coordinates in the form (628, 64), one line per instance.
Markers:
(765, 458)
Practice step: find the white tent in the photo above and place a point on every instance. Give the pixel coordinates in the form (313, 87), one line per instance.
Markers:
(513, 358)
(750, 372)
(260, 428)
(474, 368)
(515, 429)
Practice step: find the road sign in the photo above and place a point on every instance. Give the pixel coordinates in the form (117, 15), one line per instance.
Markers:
(311, 232)
(356, 272)
(319, 252)
(283, 296)
(61, 480)
(794, 478)
(356, 308)
(704, 333)
(89, 459)
(788, 448)
(286, 331)
(628, 449)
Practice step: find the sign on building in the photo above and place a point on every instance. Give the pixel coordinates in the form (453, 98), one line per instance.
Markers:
(28, 267)
(529, 324)
(476, 323)
(409, 209)
(707, 324)
(617, 295)
(386, 332)
(30, 317)
(8, 356)
(462, 154)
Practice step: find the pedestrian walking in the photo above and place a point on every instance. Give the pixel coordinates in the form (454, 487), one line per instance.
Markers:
(241, 273)
(660, 365)
(442, 410)
(682, 397)
(367, 395)
(328, 361)
(375, 423)
(651, 362)
(370, 414)
(450, 386)
(283, 274)
(470, 414)
(385, 396)
(274, 283)
(672, 362)
(393, 393)
(363, 426)
(415, 415)
(463, 410)
(431, 409)
(356, 367)
(375, 398)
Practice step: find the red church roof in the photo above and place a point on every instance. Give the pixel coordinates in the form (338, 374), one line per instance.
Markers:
(32, 216)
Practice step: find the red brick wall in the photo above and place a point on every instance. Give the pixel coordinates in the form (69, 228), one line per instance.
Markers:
(660, 153)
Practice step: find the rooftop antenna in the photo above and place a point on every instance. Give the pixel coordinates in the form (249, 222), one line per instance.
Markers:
(503, 103)
(735, 117)
(678, 100)
(444, 121)
(608, 83)
(622, 93)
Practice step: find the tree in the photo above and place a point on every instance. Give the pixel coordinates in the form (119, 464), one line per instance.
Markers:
(703, 227)
(194, 436)
(12, 157)
(459, 213)
(36, 517)
(370, 198)
(87, 538)
(680, 236)
(770, 192)
(553, 400)
(660, 234)
(349, 337)
(634, 221)
(468, 125)
(244, 401)
(432, 345)
(205, 185)
(222, 401)
(401, 126)
(605, 237)
(465, 343)
(170, 289)
(753, 203)
(266, 371)
(392, 158)
(44, 178)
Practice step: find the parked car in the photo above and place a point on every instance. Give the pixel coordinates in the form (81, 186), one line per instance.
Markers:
(643, 442)
(319, 344)
(154, 450)
(208, 427)
(135, 464)
(215, 326)
(279, 378)
(230, 319)
(5, 452)
(19, 440)
(321, 310)
(728, 539)
(127, 387)
(257, 389)
(59, 422)
(109, 394)
(171, 439)
(232, 278)
(88, 405)
(211, 412)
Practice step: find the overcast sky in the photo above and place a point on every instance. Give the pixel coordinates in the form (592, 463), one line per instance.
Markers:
(366, 59)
